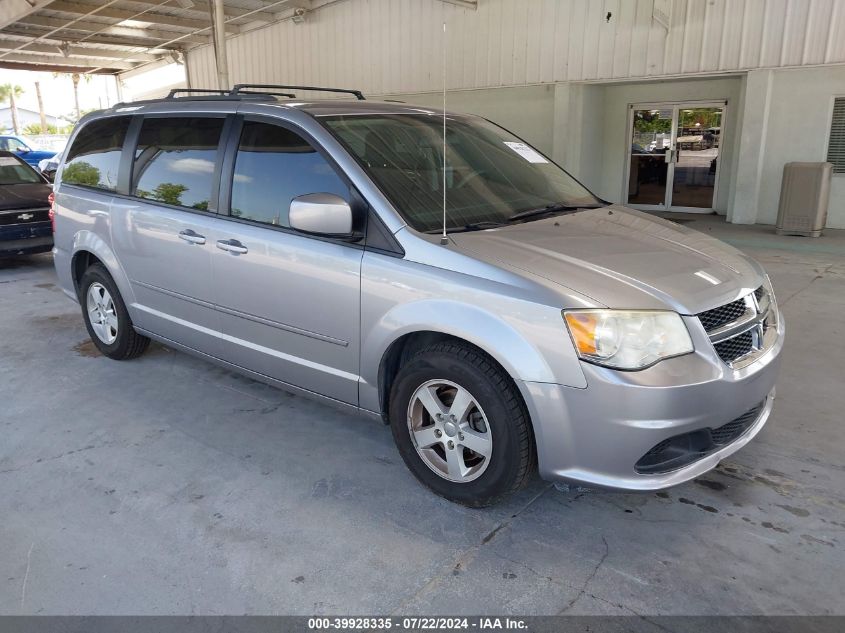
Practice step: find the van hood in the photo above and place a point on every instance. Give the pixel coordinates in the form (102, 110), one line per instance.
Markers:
(621, 258)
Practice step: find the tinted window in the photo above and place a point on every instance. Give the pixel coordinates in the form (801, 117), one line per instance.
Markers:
(490, 174)
(94, 157)
(273, 166)
(175, 159)
(16, 172)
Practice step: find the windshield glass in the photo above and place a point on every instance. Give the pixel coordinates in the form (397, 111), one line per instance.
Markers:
(14, 172)
(491, 175)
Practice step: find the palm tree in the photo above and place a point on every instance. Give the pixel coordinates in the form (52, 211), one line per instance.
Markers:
(9, 92)
(75, 77)
(41, 108)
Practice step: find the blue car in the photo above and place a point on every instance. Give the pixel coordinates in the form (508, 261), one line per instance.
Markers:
(25, 223)
(24, 148)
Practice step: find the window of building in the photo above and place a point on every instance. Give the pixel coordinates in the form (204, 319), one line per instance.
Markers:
(275, 165)
(94, 157)
(175, 160)
(836, 146)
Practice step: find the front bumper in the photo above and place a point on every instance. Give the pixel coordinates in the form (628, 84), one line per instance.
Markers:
(595, 436)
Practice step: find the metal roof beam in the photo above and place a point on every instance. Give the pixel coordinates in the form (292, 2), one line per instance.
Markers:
(101, 28)
(76, 8)
(116, 43)
(233, 13)
(78, 51)
(58, 60)
(13, 10)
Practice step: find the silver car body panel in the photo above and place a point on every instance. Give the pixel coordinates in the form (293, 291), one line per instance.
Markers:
(318, 316)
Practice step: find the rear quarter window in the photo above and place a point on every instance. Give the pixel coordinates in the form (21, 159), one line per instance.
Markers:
(94, 158)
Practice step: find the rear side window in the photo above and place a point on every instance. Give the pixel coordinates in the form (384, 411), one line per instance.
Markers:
(275, 165)
(175, 161)
(94, 158)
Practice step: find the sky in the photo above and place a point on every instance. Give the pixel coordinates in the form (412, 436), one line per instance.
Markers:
(57, 92)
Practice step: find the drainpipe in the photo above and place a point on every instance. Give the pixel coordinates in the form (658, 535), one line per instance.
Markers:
(218, 19)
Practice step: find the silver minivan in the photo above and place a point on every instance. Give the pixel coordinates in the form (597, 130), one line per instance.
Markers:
(470, 293)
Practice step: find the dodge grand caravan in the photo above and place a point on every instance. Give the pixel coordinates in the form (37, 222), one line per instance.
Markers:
(302, 243)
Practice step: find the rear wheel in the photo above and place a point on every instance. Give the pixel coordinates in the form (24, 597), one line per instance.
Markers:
(460, 425)
(106, 318)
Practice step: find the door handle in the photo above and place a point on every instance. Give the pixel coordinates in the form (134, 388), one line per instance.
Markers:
(232, 246)
(191, 237)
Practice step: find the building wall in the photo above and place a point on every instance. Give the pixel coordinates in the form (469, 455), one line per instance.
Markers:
(528, 111)
(25, 117)
(798, 129)
(396, 46)
(561, 74)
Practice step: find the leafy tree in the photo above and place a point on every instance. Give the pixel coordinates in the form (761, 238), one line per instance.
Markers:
(82, 173)
(35, 128)
(167, 192)
(645, 121)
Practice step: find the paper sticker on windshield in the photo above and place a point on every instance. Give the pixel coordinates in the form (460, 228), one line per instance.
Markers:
(528, 153)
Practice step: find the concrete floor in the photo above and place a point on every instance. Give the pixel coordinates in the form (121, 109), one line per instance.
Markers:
(167, 486)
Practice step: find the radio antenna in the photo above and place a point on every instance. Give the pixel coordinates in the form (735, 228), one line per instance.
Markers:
(443, 238)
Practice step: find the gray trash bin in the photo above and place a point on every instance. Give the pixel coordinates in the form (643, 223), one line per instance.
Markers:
(804, 197)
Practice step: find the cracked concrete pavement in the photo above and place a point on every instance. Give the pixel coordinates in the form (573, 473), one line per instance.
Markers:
(168, 486)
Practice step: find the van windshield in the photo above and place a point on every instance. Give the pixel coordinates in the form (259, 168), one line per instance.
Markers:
(491, 175)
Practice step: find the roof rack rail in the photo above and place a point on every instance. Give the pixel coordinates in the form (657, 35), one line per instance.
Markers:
(244, 89)
(290, 95)
(172, 94)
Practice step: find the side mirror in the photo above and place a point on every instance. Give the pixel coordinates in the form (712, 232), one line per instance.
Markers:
(321, 214)
(24, 150)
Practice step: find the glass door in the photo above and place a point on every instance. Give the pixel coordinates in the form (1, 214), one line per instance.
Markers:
(674, 156)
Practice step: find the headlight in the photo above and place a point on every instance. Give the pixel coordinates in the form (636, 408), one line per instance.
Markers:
(627, 339)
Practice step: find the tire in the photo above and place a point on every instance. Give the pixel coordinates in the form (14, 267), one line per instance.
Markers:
(121, 342)
(453, 371)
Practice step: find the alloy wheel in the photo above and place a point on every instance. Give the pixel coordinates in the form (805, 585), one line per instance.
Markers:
(449, 430)
(102, 313)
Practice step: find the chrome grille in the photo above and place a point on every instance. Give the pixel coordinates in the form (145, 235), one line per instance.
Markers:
(717, 317)
(738, 346)
(738, 330)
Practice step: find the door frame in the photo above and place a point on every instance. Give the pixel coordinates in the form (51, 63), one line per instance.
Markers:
(670, 171)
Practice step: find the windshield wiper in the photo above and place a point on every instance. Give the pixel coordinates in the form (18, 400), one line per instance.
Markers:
(548, 209)
(472, 226)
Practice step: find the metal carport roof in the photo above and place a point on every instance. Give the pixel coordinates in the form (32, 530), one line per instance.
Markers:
(117, 35)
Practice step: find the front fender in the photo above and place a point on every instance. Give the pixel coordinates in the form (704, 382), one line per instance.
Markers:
(503, 336)
(89, 241)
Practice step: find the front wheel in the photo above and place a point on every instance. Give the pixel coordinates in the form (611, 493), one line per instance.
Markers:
(106, 318)
(460, 425)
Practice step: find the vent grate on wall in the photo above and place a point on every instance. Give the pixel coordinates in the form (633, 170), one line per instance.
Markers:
(836, 147)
